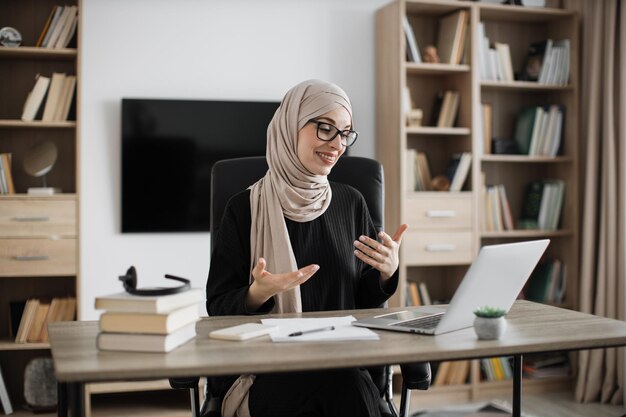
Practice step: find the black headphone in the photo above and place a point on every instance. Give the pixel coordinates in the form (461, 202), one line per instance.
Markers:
(130, 285)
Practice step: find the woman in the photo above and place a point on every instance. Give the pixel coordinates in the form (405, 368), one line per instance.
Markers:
(293, 217)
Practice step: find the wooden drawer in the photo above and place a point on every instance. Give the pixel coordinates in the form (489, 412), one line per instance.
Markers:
(437, 248)
(37, 218)
(37, 257)
(438, 211)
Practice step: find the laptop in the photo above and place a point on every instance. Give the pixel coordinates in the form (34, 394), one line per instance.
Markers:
(495, 278)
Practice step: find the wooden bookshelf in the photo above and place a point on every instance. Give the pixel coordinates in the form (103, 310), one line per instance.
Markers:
(45, 226)
(460, 233)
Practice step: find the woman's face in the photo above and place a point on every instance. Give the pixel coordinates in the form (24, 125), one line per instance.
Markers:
(317, 155)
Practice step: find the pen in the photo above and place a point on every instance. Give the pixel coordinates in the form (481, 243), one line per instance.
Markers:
(321, 329)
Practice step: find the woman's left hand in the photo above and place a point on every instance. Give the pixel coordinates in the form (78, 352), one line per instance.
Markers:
(381, 255)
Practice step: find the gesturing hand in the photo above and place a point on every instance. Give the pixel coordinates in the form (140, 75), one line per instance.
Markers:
(266, 284)
(381, 255)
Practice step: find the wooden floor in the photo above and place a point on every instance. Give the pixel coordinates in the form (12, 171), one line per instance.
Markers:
(175, 404)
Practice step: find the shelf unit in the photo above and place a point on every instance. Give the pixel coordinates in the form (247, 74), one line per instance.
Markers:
(437, 249)
(38, 234)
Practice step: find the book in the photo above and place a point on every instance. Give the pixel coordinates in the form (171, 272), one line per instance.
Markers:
(505, 65)
(54, 94)
(46, 26)
(461, 172)
(424, 294)
(38, 322)
(530, 210)
(26, 321)
(66, 98)
(35, 98)
(114, 322)
(243, 331)
(442, 373)
(7, 176)
(487, 119)
(414, 293)
(450, 38)
(412, 49)
(127, 303)
(146, 342)
(4, 396)
(58, 27)
(49, 27)
(68, 29)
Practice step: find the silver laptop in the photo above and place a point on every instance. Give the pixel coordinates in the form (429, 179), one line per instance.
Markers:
(495, 278)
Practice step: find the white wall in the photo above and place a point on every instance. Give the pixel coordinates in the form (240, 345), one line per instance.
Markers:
(198, 49)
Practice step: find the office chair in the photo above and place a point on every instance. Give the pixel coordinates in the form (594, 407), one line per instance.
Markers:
(231, 176)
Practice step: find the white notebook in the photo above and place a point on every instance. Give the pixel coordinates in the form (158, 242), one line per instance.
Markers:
(342, 330)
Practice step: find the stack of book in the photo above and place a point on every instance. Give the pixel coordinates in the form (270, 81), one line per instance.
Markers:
(547, 283)
(494, 59)
(418, 171)
(539, 130)
(57, 92)
(543, 205)
(452, 373)
(148, 323)
(33, 316)
(498, 215)
(60, 27)
(496, 369)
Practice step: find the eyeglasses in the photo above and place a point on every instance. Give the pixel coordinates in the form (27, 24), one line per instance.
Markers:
(328, 132)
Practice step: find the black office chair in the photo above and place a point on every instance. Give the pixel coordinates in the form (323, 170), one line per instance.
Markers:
(229, 177)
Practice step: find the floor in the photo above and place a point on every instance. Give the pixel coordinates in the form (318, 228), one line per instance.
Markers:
(175, 404)
(557, 404)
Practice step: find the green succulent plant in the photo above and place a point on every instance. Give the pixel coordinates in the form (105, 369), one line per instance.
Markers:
(490, 312)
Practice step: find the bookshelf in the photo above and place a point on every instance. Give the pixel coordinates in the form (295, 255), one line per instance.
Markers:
(448, 228)
(39, 236)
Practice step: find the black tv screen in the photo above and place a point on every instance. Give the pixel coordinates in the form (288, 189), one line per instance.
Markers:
(168, 150)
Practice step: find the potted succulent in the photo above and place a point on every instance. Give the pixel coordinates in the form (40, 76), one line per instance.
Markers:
(489, 323)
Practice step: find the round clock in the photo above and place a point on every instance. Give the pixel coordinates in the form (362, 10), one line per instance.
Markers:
(10, 37)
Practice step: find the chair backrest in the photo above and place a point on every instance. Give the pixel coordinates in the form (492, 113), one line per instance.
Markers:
(231, 176)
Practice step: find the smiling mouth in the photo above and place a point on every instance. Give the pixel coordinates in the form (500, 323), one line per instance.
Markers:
(326, 157)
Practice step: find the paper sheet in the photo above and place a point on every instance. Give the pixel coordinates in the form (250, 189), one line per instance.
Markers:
(343, 329)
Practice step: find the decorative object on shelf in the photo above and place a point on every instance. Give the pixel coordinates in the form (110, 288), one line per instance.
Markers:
(10, 37)
(431, 55)
(440, 183)
(414, 118)
(38, 161)
(40, 385)
(489, 323)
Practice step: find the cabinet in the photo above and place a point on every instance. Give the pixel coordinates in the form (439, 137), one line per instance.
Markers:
(38, 234)
(448, 228)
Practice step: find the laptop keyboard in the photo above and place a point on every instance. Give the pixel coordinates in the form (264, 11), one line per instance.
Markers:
(429, 322)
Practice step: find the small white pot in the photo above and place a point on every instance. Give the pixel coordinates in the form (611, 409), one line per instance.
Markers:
(489, 328)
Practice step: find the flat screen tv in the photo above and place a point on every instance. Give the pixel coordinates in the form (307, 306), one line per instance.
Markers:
(168, 150)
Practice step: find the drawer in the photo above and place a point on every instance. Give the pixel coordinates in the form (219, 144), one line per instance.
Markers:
(438, 212)
(37, 218)
(37, 257)
(437, 248)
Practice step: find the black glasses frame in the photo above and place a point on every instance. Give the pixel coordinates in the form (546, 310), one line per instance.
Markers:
(344, 133)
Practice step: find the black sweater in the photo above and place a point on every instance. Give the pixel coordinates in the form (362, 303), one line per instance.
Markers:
(342, 282)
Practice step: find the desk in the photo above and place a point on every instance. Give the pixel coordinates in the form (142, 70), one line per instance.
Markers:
(531, 328)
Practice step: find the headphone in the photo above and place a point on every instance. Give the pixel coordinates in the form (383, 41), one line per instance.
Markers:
(130, 285)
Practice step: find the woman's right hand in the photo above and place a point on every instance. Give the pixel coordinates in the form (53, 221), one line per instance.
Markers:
(266, 284)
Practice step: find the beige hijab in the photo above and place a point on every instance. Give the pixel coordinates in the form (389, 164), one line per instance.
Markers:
(289, 190)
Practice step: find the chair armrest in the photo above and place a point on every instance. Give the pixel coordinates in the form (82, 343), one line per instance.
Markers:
(184, 383)
(416, 375)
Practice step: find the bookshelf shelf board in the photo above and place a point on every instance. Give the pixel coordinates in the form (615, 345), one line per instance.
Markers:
(513, 234)
(523, 86)
(525, 159)
(456, 388)
(438, 131)
(535, 381)
(67, 196)
(438, 194)
(27, 52)
(433, 69)
(9, 345)
(511, 13)
(432, 7)
(37, 124)
(114, 387)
